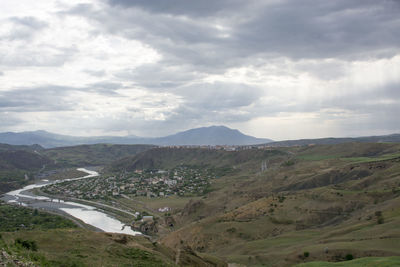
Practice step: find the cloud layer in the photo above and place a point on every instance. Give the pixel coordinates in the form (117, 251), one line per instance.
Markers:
(276, 68)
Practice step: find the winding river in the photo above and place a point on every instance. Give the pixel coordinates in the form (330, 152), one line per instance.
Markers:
(87, 214)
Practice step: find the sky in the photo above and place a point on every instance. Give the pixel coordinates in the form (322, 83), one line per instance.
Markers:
(279, 69)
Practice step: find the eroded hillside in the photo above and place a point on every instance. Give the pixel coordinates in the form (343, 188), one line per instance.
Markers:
(328, 201)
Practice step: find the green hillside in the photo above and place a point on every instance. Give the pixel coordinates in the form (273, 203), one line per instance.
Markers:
(98, 154)
(34, 238)
(168, 158)
(17, 167)
(363, 262)
(343, 199)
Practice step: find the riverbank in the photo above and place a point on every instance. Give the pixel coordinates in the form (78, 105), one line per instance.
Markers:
(83, 214)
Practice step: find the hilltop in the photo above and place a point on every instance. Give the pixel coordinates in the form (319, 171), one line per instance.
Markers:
(213, 135)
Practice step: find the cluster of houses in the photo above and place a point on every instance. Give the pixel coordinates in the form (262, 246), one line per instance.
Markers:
(182, 181)
(224, 147)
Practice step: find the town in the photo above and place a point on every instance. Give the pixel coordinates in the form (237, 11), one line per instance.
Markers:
(181, 181)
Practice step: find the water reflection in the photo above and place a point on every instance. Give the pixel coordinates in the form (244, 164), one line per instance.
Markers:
(85, 213)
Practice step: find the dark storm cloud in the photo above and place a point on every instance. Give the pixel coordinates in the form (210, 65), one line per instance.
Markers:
(182, 7)
(324, 29)
(296, 29)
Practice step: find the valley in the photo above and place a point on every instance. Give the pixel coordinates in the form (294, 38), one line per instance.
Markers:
(270, 206)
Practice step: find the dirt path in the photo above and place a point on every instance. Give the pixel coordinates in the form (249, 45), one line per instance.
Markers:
(178, 256)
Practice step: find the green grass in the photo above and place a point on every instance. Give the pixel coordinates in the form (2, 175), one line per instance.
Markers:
(77, 247)
(372, 159)
(316, 157)
(362, 262)
(14, 218)
(11, 180)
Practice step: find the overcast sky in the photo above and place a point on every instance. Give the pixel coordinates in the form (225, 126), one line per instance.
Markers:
(277, 69)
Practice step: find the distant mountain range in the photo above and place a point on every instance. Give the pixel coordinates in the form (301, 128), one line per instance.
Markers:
(213, 135)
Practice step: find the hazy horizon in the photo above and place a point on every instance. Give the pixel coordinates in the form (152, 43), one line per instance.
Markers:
(264, 137)
(275, 69)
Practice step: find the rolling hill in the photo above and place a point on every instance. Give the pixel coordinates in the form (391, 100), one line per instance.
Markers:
(392, 138)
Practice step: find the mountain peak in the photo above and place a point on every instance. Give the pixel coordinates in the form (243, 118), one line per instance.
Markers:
(212, 135)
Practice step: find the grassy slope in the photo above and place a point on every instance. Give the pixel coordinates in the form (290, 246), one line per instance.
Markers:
(363, 262)
(14, 218)
(330, 202)
(58, 242)
(14, 164)
(78, 247)
(167, 158)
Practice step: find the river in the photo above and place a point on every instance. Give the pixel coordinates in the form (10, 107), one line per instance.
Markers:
(86, 213)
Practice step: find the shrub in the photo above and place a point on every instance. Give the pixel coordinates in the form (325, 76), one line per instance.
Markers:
(288, 163)
(378, 213)
(27, 244)
(231, 230)
(349, 257)
(306, 254)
